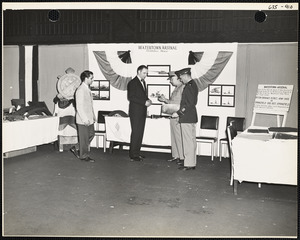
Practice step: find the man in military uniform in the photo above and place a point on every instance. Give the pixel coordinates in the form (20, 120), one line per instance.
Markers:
(188, 118)
(176, 141)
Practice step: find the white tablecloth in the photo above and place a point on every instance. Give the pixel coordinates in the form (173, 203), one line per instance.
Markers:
(28, 133)
(157, 131)
(258, 158)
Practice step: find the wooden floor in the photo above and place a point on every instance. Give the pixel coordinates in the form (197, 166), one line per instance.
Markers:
(49, 193)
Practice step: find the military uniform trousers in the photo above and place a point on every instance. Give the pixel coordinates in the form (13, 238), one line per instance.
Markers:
(176, 141)
(188, 134)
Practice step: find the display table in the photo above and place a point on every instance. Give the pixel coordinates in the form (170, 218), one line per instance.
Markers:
(260, 158)
(157, 131)
(29, 133)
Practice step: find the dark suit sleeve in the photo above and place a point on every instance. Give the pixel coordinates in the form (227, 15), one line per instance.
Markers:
(132, 93)
(189, 99)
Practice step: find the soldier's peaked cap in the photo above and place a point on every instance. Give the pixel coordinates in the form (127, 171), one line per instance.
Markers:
(183, 71)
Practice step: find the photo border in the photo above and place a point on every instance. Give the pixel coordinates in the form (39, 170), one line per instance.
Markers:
(159, 75)
(158, 85)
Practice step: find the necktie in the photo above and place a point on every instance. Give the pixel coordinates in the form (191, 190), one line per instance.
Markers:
(144, 84)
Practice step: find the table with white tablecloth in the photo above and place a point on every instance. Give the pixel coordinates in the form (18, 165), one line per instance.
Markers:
(258, 157)
(157, 131)
(23, 134)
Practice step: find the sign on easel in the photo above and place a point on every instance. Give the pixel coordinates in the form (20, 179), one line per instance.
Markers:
(273, 99)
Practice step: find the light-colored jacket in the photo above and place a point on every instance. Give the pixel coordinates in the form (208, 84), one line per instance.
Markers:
(84, 105)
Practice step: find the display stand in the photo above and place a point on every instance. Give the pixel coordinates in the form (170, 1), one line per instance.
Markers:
(278, 114)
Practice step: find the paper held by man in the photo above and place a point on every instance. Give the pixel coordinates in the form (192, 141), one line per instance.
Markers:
(170, 108)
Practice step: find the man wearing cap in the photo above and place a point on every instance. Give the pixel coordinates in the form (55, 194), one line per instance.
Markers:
(176, 143)
(138, 103)
(188, 118)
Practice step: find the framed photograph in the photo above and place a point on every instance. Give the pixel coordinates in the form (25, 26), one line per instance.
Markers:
(155, 90)
(214, 100)
(220, 95)
(214, 89)
(104, 85)
(96, 95)
(227, 101)
(228, 90)
(104, 95)
(158, 70)
(95, 85)
(101, 89)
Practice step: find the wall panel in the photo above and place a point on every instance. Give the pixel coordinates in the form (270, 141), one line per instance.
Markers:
(10, 75)
(266, 64)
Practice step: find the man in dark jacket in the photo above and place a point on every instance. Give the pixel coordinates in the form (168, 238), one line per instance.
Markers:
(188, 118)
(138, 103)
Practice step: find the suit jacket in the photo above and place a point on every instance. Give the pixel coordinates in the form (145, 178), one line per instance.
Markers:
(137, 98)
(84, 105)
(188, 112)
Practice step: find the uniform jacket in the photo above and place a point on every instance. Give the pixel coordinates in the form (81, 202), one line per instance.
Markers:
(187, 112)
(84, 105)
(137, 97)
(176, 95)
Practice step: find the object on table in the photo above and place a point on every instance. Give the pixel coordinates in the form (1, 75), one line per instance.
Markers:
(255, 130)
(278, 135)
(283, 129)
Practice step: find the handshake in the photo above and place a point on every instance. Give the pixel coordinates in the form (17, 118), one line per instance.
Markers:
(148, 103)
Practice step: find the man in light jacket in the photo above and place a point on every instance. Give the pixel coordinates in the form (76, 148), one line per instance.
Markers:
(85, 116)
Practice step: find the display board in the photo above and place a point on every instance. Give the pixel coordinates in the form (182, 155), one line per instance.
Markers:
(274, 98)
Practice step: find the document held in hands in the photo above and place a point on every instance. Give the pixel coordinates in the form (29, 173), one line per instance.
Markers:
(169, 108)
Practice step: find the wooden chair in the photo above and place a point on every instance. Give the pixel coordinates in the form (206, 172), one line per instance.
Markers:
(239, 125)
(211, 124)
(101, 132)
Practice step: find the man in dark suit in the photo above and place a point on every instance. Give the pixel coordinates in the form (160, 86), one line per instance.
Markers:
(188, 118)
(138, 103)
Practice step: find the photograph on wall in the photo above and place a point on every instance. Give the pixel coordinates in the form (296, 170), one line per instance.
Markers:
(214, 101)
(156, 90)
(96, 95)
(228, 90)
(95, 85)
(220, 95)
(214, 89)
(104, 95)
(158, 70)
(104, 85)
(227, 101)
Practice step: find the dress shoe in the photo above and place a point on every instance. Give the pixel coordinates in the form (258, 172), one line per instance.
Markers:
(186, 168)
(87, 159)
(173, 159)
(136, 159)
(74, 151)
(180, 162)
